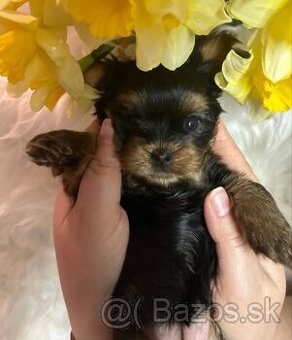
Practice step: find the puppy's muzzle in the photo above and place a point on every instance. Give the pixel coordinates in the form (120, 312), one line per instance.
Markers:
(161, 158)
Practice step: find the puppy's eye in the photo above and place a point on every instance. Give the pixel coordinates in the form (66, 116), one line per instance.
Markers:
(192, 123)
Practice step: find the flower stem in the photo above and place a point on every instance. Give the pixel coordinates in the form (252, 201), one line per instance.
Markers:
(95, 55)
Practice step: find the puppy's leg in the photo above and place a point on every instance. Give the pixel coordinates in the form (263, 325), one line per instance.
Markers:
(66, 152)
(261, 222)
(263, 225)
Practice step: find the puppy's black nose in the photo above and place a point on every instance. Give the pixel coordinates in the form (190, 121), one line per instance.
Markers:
(161, 157)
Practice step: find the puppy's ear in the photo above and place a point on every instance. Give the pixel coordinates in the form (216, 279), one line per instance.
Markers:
(106, 77)
(94, 74)
(101, 75)
(211, 50)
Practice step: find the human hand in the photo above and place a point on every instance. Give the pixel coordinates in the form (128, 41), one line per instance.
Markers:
(91, 237)
(245, 279)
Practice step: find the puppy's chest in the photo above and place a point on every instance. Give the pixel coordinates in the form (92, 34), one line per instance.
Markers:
(166, 227)
(156, 210)
(170, 252)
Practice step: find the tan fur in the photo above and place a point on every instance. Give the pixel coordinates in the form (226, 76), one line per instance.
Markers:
(128, 99)
(195, 102)
(216, 45)
(186, 163)
(259, 218)
(211, 49)
(93, 75)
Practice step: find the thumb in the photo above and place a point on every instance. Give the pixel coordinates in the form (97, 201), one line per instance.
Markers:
(222, 226)
(101, 181)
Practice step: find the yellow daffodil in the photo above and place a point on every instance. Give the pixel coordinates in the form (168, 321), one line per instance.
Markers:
(264, 80)
(18, 28)
(244, 79)
(165, 29)
(34, 55)
(161, 37)
(273, 18)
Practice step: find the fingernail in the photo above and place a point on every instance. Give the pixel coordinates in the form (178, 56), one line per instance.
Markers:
(106, 130)
(220, 202)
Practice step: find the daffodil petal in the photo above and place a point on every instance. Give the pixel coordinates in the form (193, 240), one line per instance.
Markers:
(274, 98)
(86, 98)
(278, 95)
(277, 59)
(47, 90)
(276, 39)
(65, 67)
(33, 71)
(52, 41)
(16, 90)
(84, 104)
(254, 13)
(8, 4)
(149, 49)
(38, 98)
(54, 95)
(14, 43)
(233, 79)
(4, 3)
(256, 109)
(150, 38)
(18, 17)
(180, 42)
(106, 19)
(72, 84)
(91, 42)
(205, 15)
(50, 12)
(161, 8)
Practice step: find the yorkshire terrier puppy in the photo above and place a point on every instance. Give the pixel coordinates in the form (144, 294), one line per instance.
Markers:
(165, 124)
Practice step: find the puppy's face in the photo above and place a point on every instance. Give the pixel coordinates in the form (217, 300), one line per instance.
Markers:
(162, 134)
(164, 121)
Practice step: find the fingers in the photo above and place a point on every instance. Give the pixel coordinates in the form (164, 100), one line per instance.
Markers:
(227, 149)
(235, 256)
(101, 181)
(222, 226)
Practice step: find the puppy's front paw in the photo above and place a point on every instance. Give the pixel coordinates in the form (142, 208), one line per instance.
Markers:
(53, 149)
(66, 152)
(60, 149)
